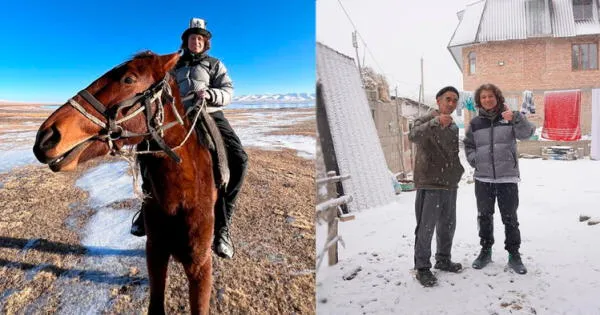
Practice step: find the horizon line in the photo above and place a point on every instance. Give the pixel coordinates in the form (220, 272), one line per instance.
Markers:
(5, 101)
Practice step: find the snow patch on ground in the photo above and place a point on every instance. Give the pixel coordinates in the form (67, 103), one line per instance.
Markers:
(16, 149)
(254, 130)
(112, 251)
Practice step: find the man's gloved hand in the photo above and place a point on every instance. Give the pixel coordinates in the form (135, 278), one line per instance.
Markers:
(201, 94)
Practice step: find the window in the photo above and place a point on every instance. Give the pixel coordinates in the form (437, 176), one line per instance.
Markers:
(585, 57)
(472, 59)
(582, 10)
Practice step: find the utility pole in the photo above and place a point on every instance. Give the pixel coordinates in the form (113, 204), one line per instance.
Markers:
(401, 127)
(355, 45)
(421, 90)
(421, 101)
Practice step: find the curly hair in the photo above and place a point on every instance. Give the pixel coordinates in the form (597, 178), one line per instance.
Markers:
(494, 89)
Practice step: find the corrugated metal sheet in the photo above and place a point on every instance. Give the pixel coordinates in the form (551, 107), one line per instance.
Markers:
(503, 20)
(357, 147)
(563, 24)
(538, 18)
(509, 20)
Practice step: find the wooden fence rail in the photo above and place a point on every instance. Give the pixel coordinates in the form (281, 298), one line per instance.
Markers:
(331, 210)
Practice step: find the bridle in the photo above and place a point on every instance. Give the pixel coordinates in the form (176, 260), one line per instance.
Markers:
(112, 130)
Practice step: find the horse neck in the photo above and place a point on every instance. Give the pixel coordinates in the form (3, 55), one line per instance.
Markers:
(182, 137)
(179, 135)
(195, 162)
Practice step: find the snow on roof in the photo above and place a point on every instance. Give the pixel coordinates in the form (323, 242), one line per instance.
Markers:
(587, 27)
(466, 31)
(355, 140)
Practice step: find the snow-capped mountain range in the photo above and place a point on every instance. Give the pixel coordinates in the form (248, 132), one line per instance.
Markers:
(275, 98)
(287, 98)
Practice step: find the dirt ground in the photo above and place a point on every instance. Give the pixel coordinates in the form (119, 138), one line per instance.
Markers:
(42, 214)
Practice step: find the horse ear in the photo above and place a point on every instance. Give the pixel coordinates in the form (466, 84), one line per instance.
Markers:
(169, 61)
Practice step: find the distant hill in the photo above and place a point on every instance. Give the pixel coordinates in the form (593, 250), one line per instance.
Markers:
(8, 102)
(275, 98)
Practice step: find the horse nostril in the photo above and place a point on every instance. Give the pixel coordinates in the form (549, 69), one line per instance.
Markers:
(49, 139)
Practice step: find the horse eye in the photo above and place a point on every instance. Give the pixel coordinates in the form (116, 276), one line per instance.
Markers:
(128, 80)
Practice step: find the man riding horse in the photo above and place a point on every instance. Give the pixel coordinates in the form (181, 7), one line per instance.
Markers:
(206, 78)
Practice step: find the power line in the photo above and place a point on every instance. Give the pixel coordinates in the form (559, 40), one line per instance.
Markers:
(393, 79)
(361, 37)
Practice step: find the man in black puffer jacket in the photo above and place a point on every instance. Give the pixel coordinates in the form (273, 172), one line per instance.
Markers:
(436, 176)
(491, 148)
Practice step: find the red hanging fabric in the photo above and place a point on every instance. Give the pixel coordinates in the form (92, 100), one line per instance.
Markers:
(561, 115)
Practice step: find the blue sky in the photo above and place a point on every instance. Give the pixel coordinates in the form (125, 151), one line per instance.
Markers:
(52, 49)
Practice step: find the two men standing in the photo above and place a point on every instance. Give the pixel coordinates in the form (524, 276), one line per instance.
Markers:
(491, 148)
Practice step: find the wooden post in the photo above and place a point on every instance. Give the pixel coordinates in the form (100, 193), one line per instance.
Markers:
(332, 227)
(332, 232)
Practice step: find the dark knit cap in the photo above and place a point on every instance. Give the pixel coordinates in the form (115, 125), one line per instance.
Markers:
(446, 89)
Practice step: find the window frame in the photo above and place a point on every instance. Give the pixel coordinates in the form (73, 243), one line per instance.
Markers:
(472, 58)
(582, 51)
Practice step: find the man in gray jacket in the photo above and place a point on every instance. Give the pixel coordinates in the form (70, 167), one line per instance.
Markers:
(436, 176)
(491, 148)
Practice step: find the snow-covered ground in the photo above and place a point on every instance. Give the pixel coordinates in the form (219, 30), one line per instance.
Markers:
(561, 253)
(16, 149)
(254, 128)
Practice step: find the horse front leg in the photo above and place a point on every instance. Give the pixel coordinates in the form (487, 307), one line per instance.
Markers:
(199, 267)
(157, 259)
(200, 284)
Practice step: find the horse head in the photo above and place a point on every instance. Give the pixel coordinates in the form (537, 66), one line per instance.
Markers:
(122, 107)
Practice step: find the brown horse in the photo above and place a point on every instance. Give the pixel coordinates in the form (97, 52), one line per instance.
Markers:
(138, 103)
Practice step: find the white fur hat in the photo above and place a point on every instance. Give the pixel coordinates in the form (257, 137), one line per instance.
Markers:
(197, 26)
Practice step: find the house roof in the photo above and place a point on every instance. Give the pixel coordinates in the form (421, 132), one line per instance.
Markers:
(500, 20)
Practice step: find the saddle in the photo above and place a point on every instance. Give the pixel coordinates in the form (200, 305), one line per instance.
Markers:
(209, 135)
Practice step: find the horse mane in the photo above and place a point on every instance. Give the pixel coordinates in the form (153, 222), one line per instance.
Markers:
(202, 136)
(144, 54)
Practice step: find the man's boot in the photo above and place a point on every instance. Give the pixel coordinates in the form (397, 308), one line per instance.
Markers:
(448, 265)
(426, 277)
(137, 225)
(222, 244)
(484, 258)
(514, 262)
